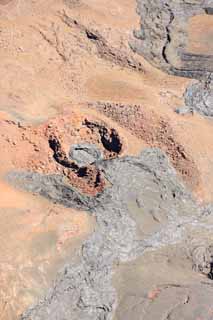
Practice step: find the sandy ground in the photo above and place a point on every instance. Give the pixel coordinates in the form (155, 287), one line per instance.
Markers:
(51, 71)
(200, 35)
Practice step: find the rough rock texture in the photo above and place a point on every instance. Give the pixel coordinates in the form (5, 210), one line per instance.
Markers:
(145, 208)
(156, 131)
(199, 97)
(109, 138)
(70, 78)
(142, 295)
(164, 39)
(163, 36)
(85, 154)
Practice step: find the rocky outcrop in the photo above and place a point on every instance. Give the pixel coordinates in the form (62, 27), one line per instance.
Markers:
(83, 173)
(103, 48)
(199, 97)
(163, 36)
(109, 137)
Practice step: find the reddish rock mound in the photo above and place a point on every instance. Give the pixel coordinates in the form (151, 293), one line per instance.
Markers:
(156, 132)
(45, 148)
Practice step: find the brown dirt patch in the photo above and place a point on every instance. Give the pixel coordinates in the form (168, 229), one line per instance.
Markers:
(36, 237)
(5, 2)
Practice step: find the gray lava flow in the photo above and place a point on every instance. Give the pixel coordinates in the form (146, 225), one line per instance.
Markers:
(148, 184)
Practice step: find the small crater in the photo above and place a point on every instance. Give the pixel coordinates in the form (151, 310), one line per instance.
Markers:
(79, 169)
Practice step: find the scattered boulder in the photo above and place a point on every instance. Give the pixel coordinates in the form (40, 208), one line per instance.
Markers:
(85, 154)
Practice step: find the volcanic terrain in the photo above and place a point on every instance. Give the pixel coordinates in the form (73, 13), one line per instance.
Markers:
(106, 170)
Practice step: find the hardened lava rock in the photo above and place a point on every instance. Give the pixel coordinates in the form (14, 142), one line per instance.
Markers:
(85, 154)
(198, 98)
(163, 36)
(144, 207)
